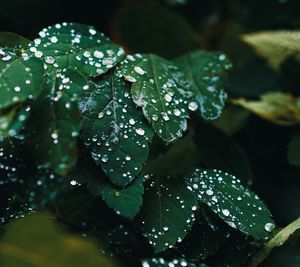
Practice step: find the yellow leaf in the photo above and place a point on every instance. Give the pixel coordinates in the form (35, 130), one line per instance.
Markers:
(279, 108)
(275, 46)
(278, 240)
(38, 241)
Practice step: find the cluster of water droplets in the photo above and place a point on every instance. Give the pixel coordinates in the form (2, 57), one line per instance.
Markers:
(226, 196)
(77, 47)
(26, 192)
(115, 130)
(16, 88)
(160, 262)
(209, 86)
(159, 88)
(159, 227)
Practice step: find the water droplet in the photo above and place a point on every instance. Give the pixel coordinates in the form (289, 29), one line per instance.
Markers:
(209, 192)
(140, 131)
(92, 31)
(154, 117)
(38, 54)
(176, 112)
(168, 98)
(54, 135)
(139, 70)
(193, 106)
(49, 60)
(100, 115)
(166, 117)
(132, 121)
(269, 227)
(104, 158)
(53, 39)
(226, 212)
(130, 79)
(98, 54)
(222, 57)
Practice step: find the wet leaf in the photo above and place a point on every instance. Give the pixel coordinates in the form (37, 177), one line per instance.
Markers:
(13, 120)
(27, 85)
(160, 262)
(114, 129)
(161, 90)
(277, 107)
(76, 46)
(126, 202)
(207, 72)
(57, 122)
(167, 212)
(227, 197)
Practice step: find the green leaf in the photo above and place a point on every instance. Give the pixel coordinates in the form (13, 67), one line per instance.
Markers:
(237, 206)
(114, 129)
(56, 122)
(126, 202)
(13, 120)
(39, 241)
(293, 150)
(160, 262)
(78, 47)
(207, 73)
(160, 89)
(167, 212)
(22, 87)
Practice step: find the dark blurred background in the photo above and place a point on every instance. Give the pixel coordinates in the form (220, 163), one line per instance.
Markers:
(28, 16)
(172, 27)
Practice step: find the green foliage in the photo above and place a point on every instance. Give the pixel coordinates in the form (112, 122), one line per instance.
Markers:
(91, 134)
